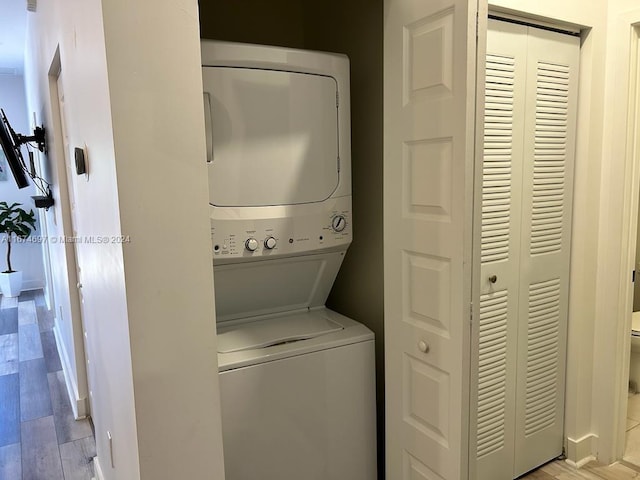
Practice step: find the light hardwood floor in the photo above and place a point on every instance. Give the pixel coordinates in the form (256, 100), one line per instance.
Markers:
(39, 438)
(561, 470)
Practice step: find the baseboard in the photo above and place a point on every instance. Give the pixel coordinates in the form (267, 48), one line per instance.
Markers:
(32, 285)
(581, 451)
(97, 469)
(582, 462)
(78, 405)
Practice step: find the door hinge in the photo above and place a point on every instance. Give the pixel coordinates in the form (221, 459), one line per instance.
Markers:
(338, 163)
(337, 99)
(633, 277)
(471, 313)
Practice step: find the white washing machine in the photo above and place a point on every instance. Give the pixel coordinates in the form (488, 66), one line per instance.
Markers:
(296, 379)
(298, 398)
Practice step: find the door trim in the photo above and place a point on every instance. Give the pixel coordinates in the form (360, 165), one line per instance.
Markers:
(76, 382)
(617, 400)
(481, 65)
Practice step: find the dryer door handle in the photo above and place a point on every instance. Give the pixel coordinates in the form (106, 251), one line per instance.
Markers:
(208, 126)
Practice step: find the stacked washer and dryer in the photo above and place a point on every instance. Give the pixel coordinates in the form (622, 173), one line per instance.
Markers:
(296, 379)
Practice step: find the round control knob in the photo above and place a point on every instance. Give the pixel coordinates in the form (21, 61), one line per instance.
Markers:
(251, 244)
(338, 223)
(270, 243)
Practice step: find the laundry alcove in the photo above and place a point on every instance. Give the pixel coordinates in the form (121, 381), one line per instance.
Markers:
(354, 28)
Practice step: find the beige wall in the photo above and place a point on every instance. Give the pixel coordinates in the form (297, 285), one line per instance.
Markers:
(132, 82)
(277, 22)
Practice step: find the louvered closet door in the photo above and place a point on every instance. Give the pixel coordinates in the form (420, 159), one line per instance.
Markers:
(530, 104)
(547, 193)
(500, 249)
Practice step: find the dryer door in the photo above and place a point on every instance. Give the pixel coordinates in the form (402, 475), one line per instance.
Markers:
(274, 136)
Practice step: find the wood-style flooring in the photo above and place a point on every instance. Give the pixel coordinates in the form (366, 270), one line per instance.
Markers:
(39, 437)
(561, 470)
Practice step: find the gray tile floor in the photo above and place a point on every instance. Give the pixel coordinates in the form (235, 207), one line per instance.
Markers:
(39, 438)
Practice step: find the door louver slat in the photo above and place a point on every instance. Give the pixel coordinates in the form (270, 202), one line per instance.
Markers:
(492, 372)
(498, 138)
(552, 100)
(542, 355)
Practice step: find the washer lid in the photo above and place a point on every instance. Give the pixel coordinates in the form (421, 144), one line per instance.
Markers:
(351, 332)
(266, 333)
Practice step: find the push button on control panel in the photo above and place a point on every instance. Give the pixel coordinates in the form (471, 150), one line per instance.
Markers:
(270, 243)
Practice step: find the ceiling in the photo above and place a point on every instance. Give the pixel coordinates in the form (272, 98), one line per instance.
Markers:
(13, 22)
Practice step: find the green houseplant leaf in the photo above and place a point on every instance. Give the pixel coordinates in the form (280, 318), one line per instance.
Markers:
(15, 221)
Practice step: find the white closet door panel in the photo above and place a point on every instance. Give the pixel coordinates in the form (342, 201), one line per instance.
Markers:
(547, 192)
(506, 68)
(429, 101)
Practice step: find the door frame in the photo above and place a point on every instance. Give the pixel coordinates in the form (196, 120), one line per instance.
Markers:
(626, 143)
(481, 60)
(77, 385)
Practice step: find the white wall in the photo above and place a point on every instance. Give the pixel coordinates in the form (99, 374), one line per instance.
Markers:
(26, 256)
(579, 422)
(56, 221)
(132, 83)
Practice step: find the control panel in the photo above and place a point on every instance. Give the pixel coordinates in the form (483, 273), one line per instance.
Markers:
(281, 232)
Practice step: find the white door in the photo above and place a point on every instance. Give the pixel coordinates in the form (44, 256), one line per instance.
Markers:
(500, 250)
(547, 201)
(429, 103)
(83, 375)
(529, 136)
